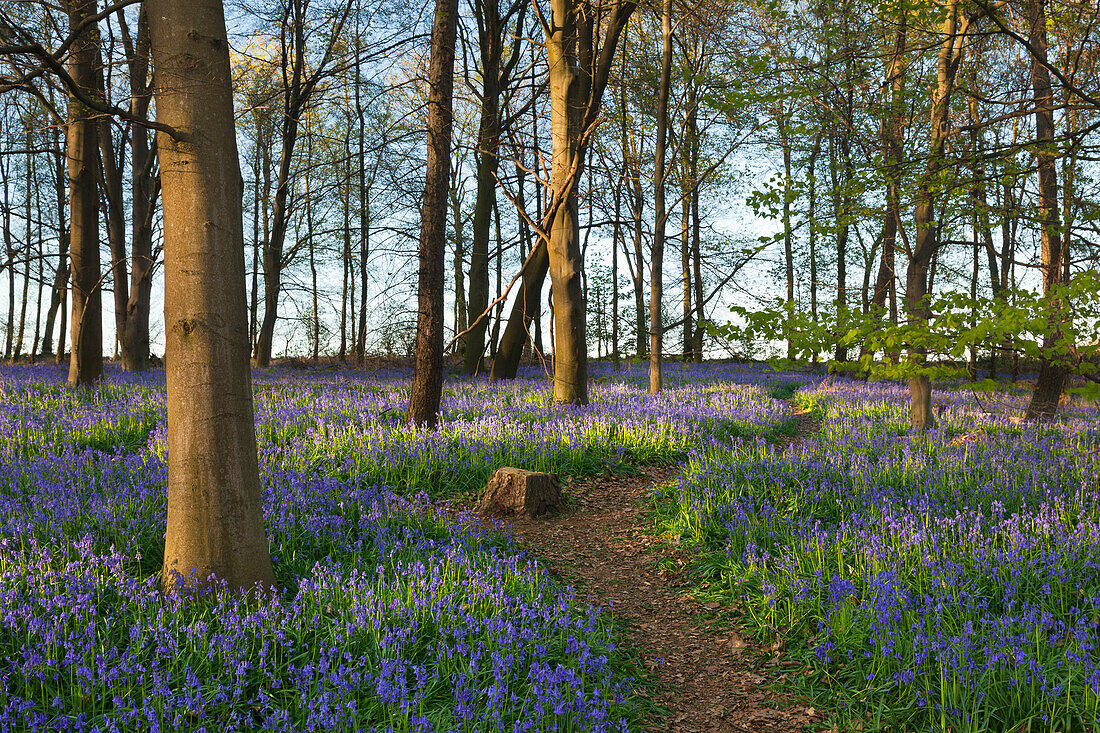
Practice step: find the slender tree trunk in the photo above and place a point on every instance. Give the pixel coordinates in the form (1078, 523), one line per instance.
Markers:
(86, 358)
(40, 254)
(293, 103)
(788, 232)
(27, 254)
(488, 137)
(427, 385)
(656, 263)
(116, 234)
(526, 304)
(346, 253)
(145, 188)
(633, 173)
(1052, 373)
(891, 135)
(10, 255)
(61, 273)
(616, 237)
(315, 324)
(364, 251)
(812, 217)
(461, 309)
(364, 213)
(696, 229)
(494, 335)
(63, 330)
(215, 521)
(257, 244)
(533, 307)
(685, 267)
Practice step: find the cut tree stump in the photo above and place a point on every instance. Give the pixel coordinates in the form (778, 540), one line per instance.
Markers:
(513, 491)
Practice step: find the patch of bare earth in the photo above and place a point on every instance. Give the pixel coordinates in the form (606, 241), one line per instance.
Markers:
(806, 424)
(709, 677)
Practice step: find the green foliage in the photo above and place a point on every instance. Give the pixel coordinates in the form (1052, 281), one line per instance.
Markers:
(1019, 320)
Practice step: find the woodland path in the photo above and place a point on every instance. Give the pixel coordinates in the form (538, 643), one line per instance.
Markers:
(709, 677)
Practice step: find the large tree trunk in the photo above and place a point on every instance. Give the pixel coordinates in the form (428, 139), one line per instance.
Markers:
(215, 521)
(427, 385)
(1052, 373)
(86, 358)
(657, 259)
(926, 241)
(569, 39)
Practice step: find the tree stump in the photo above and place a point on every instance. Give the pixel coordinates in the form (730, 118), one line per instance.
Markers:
(513, 491)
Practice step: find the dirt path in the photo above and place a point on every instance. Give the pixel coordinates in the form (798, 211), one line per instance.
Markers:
(806, 424)
(710, 679)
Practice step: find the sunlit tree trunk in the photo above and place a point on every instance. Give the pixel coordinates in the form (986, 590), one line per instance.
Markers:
(215, 522)
(569, 38)
(657, 259)
(1052, 374)
(926, 240)
(86, 357)
(427, 386)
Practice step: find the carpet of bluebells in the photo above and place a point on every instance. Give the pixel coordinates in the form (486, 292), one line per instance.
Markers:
(390, 614)
(948, 581)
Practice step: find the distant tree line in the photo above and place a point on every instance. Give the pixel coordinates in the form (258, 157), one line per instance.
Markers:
(619, 172)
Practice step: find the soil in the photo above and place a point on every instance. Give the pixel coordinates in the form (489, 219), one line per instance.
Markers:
(710, 676)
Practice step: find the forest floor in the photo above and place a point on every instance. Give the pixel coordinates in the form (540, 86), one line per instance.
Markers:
(709, 677)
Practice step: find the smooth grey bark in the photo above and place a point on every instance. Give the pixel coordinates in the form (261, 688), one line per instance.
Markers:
(215, 522)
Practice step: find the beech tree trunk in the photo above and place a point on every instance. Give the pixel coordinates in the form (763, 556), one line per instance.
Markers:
(1052, 373)
(788, 232)
(568, 50)
(427, 385)
(926, 240)
(215, 522)
(61, 273)
(657, 259)
(890, 135)
(490, 46)
(145, 189)
(86, 356)
(116, 227)
(524, 308)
